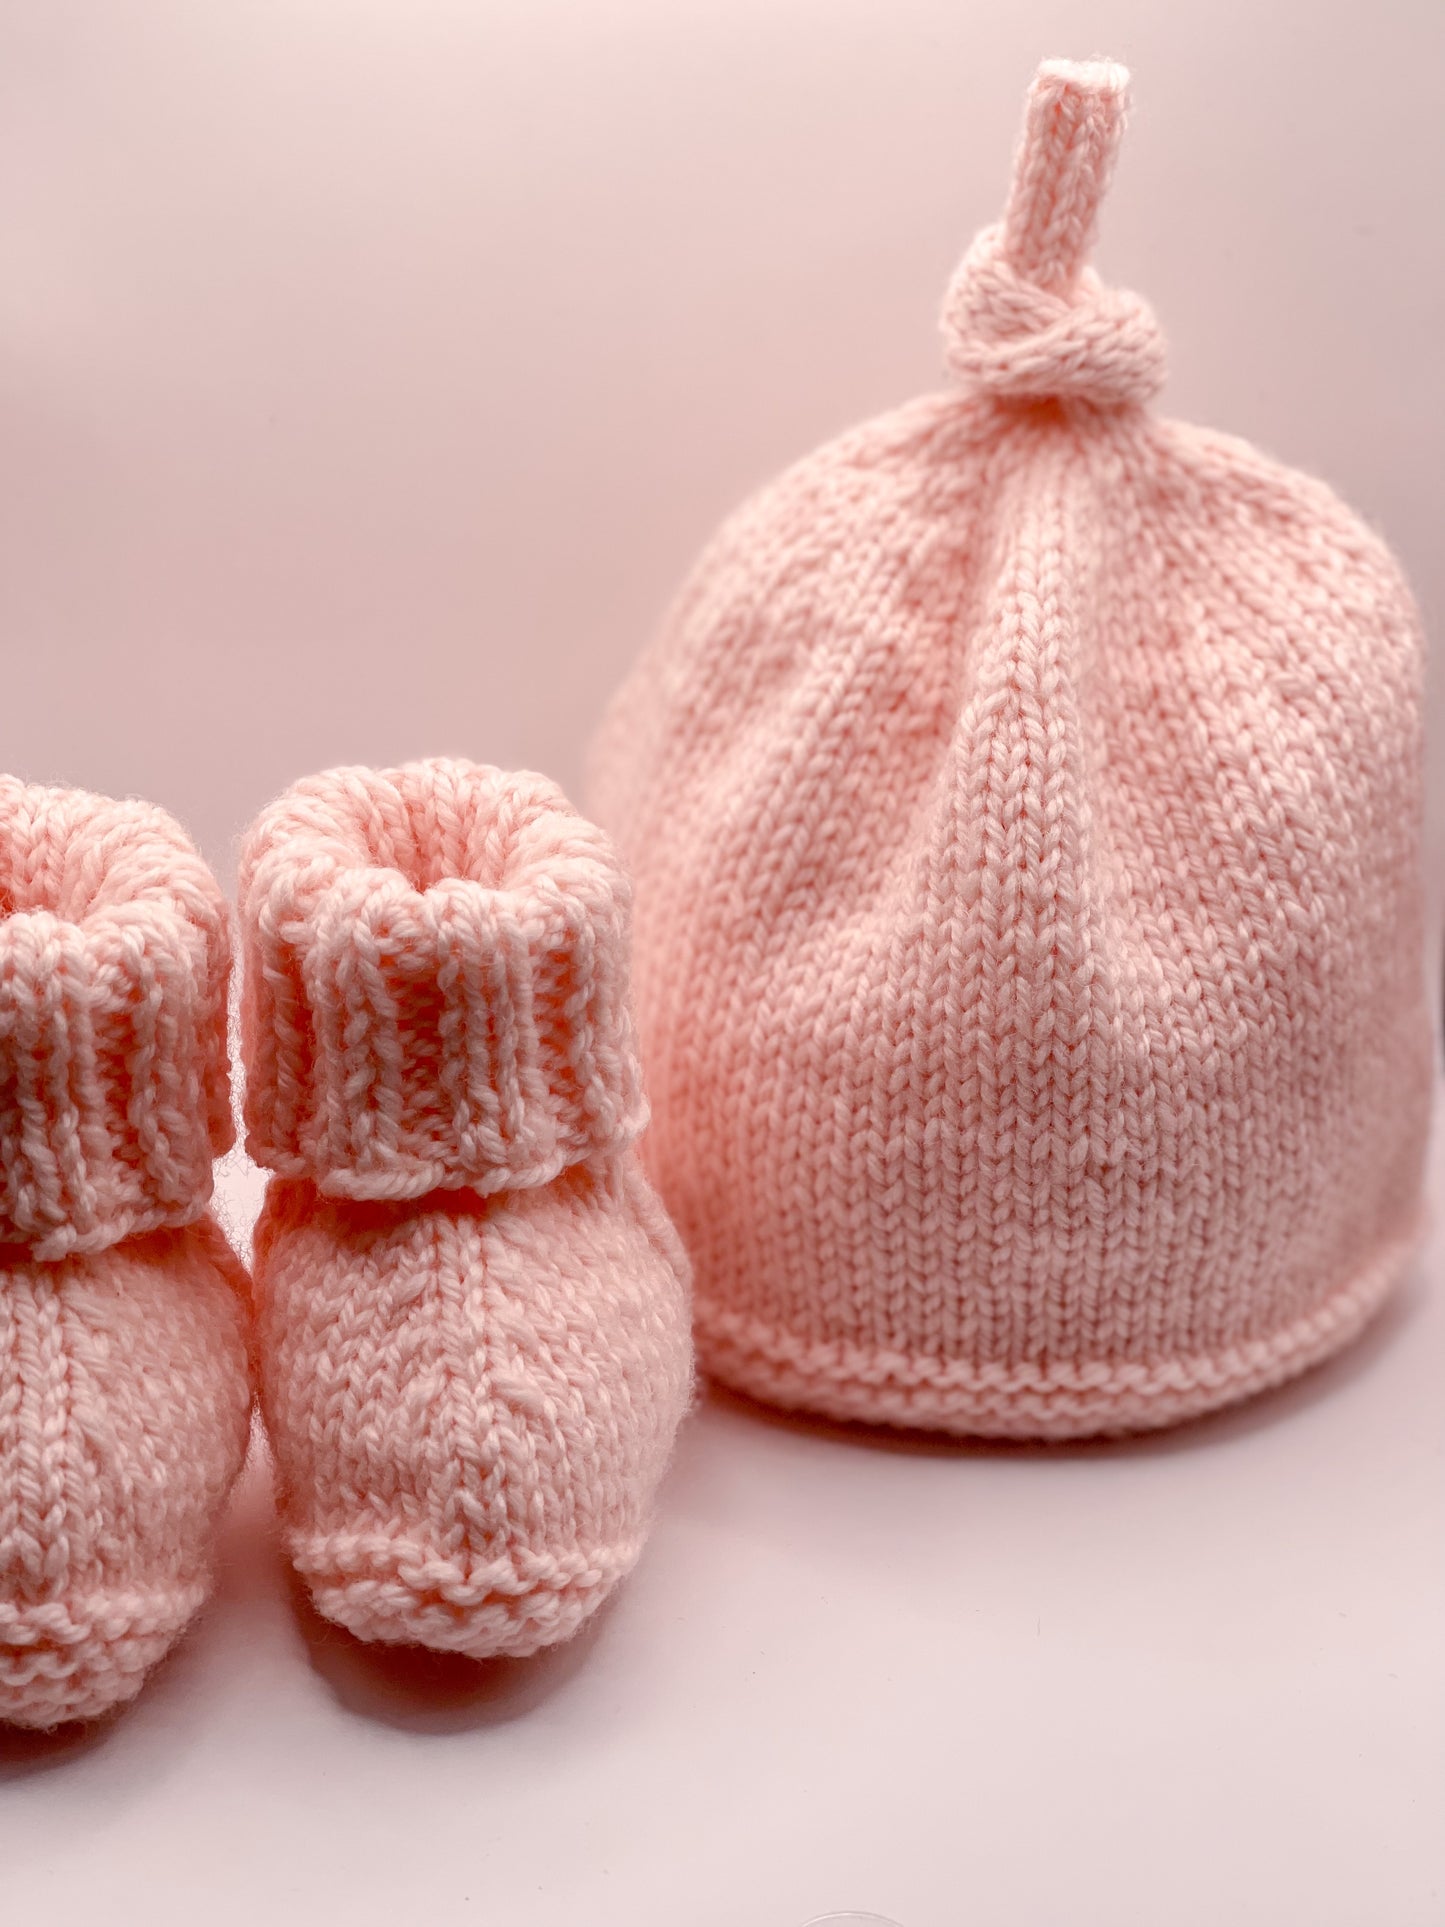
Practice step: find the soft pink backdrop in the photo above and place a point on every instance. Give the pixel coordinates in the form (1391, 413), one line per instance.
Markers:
(371, 372)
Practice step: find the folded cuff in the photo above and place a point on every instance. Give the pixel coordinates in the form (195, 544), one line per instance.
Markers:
(114, 1079)
(436, 983)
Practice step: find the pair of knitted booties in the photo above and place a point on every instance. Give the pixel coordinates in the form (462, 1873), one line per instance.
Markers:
(467, 1314)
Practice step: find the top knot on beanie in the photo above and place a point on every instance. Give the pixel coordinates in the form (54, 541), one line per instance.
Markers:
(1025, 317)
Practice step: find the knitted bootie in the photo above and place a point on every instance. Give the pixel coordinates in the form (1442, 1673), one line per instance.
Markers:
(124, 1396)
(472, 1311)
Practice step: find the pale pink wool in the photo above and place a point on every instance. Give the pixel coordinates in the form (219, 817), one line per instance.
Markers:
(124, 1398)
(472, 1311)
(1023, 801)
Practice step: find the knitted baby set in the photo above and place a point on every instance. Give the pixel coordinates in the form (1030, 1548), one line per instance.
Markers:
(468, 1310)
(1023, 806)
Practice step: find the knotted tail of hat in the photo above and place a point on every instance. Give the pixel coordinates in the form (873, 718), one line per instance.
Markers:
(1025, 316)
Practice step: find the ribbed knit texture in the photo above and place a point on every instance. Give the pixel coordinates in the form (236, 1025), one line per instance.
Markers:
(472, 1310)
(437, 991)
(1023, 800)
(114, 960)
(124, 1396)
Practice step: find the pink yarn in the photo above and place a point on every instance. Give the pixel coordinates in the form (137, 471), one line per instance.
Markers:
(1025, 317)
(1023, 800)
(113, 1038)
(472, 1311)
(124, 1398)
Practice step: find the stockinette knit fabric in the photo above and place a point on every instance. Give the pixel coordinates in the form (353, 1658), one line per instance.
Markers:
(472, 1311)
(1023, 801)
(124, 1396)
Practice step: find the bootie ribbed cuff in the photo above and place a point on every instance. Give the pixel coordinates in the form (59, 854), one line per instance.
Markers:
(436, 987)
(114, 953)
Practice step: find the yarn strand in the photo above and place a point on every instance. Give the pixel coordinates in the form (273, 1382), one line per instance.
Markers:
(1073, 123)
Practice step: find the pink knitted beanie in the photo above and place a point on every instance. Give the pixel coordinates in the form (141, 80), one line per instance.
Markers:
(472, 1310)
(124, 1398)
(1023, 803)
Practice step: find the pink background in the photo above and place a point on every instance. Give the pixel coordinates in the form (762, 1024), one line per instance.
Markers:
(370, 372)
